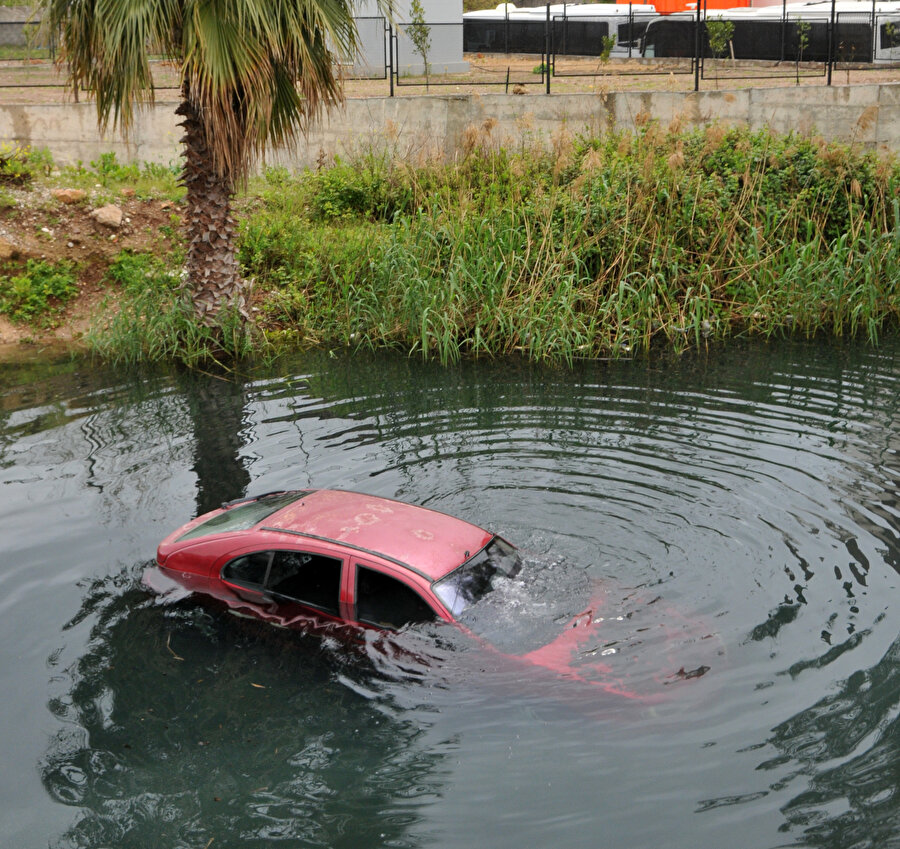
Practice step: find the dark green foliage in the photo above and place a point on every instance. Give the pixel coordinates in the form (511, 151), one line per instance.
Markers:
(38, 294)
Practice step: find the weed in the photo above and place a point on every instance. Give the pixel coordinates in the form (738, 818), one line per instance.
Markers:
(150, 180)
(152, 319)
(597, 247)
(20, 165)
(38, 295)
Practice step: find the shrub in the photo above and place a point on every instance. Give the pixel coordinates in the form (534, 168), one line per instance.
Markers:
(19, 165)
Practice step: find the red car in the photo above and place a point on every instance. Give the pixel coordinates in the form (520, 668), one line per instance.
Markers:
(322, 558)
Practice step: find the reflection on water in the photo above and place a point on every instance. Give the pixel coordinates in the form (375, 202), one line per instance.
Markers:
(847, 747)
(242, 733)
(744, 503)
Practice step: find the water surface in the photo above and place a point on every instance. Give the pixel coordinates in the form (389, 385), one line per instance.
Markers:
(750, 493)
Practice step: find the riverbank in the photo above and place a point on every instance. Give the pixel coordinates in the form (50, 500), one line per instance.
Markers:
(599, 246)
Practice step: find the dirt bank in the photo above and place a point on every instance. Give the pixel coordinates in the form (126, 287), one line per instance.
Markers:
(35, 225)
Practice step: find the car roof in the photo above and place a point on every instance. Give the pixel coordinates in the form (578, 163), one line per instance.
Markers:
(430, 542)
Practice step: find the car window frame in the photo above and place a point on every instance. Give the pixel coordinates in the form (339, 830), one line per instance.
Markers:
(409, 579)
(268, 598)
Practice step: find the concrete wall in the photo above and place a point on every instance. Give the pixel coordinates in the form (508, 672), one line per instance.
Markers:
(424, 126)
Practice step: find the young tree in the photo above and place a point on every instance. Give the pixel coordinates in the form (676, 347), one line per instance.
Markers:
(803, 28)
(719, 32)
(420, 34)
(607, 43)
(253, 73)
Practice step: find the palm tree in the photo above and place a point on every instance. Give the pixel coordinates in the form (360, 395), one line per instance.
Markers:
(254, 73)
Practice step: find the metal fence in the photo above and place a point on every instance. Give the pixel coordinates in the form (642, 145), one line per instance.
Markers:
(441, 63)
(618, 38)
(783, 46)
(23, 40)
(628, 43)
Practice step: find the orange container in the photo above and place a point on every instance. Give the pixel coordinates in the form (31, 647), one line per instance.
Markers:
(667, 7)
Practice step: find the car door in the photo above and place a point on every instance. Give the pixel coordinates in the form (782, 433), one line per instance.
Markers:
(385, 598)
(284, 583)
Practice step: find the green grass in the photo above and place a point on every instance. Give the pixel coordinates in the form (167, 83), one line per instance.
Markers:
(16, 51)
(601, 247)
(149, 318)
(149, 180)
(20, 165)
(597, 247)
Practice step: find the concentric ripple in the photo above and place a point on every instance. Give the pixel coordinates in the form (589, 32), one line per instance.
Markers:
(729, 521)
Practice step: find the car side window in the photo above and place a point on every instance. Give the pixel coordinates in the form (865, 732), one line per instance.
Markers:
(250, 569)
(307, 578)
(388, 603)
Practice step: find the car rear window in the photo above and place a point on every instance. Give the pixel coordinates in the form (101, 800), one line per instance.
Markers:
(243, 516)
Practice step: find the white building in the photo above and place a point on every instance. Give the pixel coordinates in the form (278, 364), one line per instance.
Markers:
(444, 20)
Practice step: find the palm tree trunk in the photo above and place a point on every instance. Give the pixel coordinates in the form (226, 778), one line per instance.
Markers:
(213, 276)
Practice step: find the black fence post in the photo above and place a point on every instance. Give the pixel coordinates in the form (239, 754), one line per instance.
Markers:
(390, 56)
(631, 27)
(697, 51)
(506, 27)
(783, 28)
(874, 34)
(831, 40)
(547, 48)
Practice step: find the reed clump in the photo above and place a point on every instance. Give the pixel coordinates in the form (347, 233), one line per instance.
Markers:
(597, 247)
(152, 319)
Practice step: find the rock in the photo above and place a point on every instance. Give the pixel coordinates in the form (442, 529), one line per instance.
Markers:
(69, 195)
(109, 216)
(8, 250)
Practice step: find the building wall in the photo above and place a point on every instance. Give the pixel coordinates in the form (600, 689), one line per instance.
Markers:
(444, 17)
(15, 25)
(418, 127)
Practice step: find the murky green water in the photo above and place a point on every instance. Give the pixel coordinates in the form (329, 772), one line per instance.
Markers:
(754, 491)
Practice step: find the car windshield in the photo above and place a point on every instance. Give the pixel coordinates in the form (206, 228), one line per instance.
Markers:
(474, 579)
(243, 516)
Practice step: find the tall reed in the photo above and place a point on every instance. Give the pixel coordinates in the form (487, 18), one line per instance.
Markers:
(596, 247)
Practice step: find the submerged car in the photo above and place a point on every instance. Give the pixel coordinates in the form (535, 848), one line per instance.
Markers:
(331, 559)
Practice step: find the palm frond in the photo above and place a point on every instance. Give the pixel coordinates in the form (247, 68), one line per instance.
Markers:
(106, 46)
(257, 71)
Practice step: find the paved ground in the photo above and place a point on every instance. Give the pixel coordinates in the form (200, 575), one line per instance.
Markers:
(38, 81)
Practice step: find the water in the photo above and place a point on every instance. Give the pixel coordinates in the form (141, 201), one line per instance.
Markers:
(751, 493)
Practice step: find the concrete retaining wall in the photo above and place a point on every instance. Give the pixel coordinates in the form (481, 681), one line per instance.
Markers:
(423, 126)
